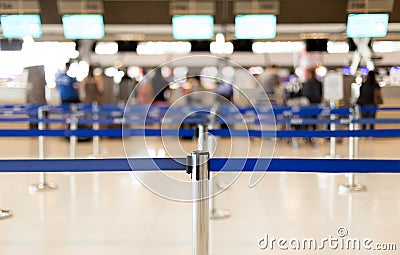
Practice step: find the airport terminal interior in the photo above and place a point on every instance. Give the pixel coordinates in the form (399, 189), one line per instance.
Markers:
(107, 105)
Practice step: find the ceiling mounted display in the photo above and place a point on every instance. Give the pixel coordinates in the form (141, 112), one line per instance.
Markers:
(367, 25)
(255, 26)
(19, 26)
(192, 27)
(83, 26)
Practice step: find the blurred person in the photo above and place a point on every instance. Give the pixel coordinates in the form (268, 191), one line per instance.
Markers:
(126, 87)
(225, 92)
(312, 88)
(270, 82)
(160, 86)
(367, 97)
(93, 87)
(194, 87)
(144, 91)
(67, 86)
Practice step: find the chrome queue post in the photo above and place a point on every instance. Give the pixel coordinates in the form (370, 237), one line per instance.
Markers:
(198, 168)
(332, 140)
(206, 143)
(43, 185)
(73, 126)
(95, 126)
(352, 186)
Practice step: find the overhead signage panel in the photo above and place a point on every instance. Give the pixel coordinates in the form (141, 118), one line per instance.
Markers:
(19, 7)
(80, 6)
(257, 7)
(182, 7)
(369, 6)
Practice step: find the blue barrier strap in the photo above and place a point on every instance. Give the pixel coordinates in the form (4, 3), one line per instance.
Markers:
(159, 132)
(377, 121)
(216, 164)
(337, 133)
(191, 132)
(197, 120)
(91, 133)
(305, 133)
(92, 165)
(17, 120)
(389, 109)
(305, 165)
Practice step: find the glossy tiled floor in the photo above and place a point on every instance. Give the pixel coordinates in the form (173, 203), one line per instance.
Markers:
(112, 213)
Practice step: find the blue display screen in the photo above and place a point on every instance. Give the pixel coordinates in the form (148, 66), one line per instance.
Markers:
(18, 26)
(192, 27)
(255, 26)
(367, 25)
(83, 26)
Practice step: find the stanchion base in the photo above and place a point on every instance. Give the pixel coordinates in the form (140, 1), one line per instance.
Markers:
(5, 214)
(332, 156)
(91, 156)
(346, 188)
(42, 187)
(219, 214)
(222, 185)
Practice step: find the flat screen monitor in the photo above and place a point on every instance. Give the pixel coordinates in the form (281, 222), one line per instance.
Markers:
(192, 27)
(316, 44)
(18, 26)
(255, 26)
(11, 45)
(367, 25)
(83, 26)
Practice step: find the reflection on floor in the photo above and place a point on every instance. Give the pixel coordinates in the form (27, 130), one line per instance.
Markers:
(112, 213)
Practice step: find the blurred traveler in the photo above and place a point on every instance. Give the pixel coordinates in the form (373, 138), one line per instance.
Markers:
(194, 90)
(126, 87)
(160, 86)
(68, 87)
(270, 81)
(370, 95)
(93, 87)
(312, 88)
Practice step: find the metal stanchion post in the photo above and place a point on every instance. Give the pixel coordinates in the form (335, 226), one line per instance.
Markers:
(215, 213)
(202, 140)
(206, 143)
(95, 126)
(352, 186)
(43, 185)
(332, 127)
(73, 126)
(198, 167)
(332, 140)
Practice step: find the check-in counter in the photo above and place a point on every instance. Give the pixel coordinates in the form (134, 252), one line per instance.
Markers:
(12, 95)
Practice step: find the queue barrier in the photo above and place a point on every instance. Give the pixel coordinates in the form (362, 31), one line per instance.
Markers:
(191, 132)
(216, 165)
(223, 109)
(197, 120)
(199, 165)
